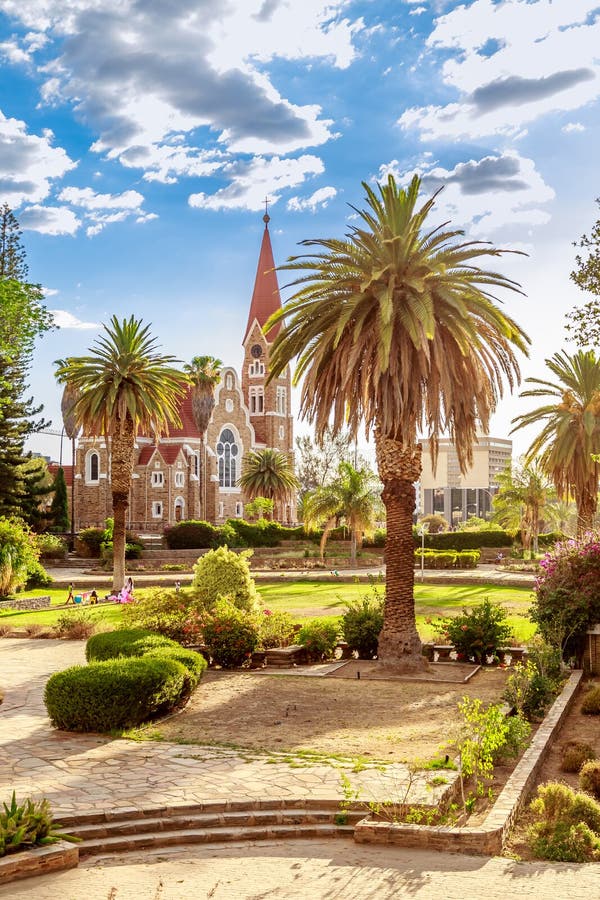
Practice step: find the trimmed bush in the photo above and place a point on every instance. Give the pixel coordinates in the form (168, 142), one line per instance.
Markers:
(362, 623)
(194, 662)
(222, 572)
(230, 634)
(319, 637)
(176, 615)
(276, 629)
(117, 693)
(124, 642)
(591, 702)
(464, 540)
(190, 535)
(589, 778)
(574, 754)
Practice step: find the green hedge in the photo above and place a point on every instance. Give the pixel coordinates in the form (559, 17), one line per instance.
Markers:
(191, 535)
(464, 540)
(551, 538)
(117, 693)
(125, 642)
(194, 662)
(448, 559)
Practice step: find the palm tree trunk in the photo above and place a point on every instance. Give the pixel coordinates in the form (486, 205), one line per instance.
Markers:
(119, 514)
(353, 543)
(399, 468)
(122, 453)
(326, 531)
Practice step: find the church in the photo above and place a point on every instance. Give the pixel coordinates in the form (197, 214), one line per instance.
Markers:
(182, 477)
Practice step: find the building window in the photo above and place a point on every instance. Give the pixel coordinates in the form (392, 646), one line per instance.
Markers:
(196, 464)
(256, 368)
(239, 510)
(227, 453)
(179, 479)
(229, 405)
(257, 400)
(281, 432)
(179, 505)
(281, 401)
(157, 509)
(221, 509)
(229, 382)
(158, 479)
(92, 467)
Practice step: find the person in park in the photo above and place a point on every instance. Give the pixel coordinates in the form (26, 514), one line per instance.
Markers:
(70, 597)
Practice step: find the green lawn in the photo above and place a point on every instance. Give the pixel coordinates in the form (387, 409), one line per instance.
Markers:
(304, 598)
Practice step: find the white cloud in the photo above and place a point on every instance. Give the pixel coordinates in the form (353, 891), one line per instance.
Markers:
(49, 292)
(573, 128)
(106, 209)
(418, 11)
(320, 198)
(483, 195)
(250, 182)
(13, 53)
(510, 63)
(65, 319)
(28, 163)
(53, 220)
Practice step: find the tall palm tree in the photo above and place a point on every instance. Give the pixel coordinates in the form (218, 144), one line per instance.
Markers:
(69, 398)
(522, 501)
(123, 387)
(268, 473)
(352, 496)
(570, 436)
(204, 373)
(396, 327)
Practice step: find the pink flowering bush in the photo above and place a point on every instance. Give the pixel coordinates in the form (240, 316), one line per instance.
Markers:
(276, 629)
(231, 634)
(478, 632)
(567, 592)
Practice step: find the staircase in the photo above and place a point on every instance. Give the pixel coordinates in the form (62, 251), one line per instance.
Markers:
(208, 823)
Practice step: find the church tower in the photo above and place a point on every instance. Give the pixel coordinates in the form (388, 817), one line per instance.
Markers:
(268, 404)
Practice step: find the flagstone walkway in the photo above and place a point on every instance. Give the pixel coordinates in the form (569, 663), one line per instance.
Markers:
(93, 772)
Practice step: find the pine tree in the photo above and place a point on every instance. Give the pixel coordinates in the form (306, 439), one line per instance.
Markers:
(12, 253)
(59, 510)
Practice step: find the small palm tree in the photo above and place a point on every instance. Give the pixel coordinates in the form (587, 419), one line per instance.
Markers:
(397, 327)
(268, 473)
(353, 496)
(204, 373)
(524, 492)
(569, 442)
(123, 387)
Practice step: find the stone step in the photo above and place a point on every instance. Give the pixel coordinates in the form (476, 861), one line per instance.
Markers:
(183, 836)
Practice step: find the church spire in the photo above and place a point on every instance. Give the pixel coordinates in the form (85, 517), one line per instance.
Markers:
(265, 297)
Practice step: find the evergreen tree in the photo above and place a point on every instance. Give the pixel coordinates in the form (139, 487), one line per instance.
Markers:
(12, 253)
(59, 509)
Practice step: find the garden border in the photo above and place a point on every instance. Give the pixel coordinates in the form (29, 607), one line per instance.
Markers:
(38, 861)
(487, 839)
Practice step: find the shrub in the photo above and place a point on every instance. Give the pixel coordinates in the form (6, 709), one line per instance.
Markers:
(26, 825)
(567, 825)
(194, 662)
(529, 687)
(231, 634)
(125, 642)
(257, 534)
(76, 625)
(222, 572)
(589, 778)
(18, 555)
(37, 575)
(174, 614)
(88, 542)
(591, 702)
(362, 623)
(478, 632)
(51, 546)
(465, 540)
(190, 535)
(276, 629)
(567, 593)
(515, 739)
(574, 754)
(467, 559)
(319, 637)
(117, 693)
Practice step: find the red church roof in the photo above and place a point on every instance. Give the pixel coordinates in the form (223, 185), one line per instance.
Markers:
(188, 426)
(265, 298)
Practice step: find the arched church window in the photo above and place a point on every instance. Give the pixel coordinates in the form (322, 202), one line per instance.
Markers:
(93, 466)
(227, 456)
(229, 381)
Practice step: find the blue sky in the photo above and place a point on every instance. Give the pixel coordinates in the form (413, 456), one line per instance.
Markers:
(138, 139)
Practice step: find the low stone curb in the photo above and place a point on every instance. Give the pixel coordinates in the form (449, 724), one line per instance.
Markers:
(40, 861)
(487, 839)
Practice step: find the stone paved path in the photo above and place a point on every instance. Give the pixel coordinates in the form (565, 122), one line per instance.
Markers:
(86, 772)
(310, 870)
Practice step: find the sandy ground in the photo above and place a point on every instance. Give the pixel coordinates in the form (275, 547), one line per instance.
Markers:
(309, 870)
(390, 720)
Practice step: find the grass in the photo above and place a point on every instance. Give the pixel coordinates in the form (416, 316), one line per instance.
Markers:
(305, 599)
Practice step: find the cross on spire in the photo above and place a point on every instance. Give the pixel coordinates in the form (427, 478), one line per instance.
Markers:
(266, 217)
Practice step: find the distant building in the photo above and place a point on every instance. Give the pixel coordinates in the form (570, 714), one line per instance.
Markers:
(456, 496)
(175, 479)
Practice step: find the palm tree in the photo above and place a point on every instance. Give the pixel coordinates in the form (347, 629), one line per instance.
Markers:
(352, 496)
(68, 400)
(268, 473)
(204, 373)
(521, 502)
(396, 327)
(123, 387)
(569, 441)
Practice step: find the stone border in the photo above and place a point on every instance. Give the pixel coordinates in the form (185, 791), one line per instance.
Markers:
(40, 861)
(487, 839)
